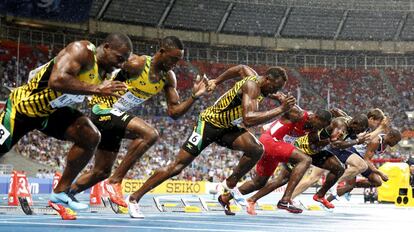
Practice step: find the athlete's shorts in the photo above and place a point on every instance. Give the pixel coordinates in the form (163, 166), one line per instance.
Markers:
(275, 153)
(15, 125)
(319, 159)
(205, 133)
(343, 154)
(112, 124)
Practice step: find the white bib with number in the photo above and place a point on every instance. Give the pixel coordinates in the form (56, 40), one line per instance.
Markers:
(66, 100)
(195, 138)
(4, 134)
(128, 101)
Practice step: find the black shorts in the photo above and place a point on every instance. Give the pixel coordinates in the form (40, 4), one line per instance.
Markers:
(205, 133)
(319, 159)
(15, 125)
(112, 124)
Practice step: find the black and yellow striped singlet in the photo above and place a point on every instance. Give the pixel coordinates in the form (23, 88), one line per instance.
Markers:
(36, 99)
(140, 89)
(227, 110)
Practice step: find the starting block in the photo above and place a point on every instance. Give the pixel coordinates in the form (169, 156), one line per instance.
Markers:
(192, 204)
(192, 209)
(314, 208)
(267, 207)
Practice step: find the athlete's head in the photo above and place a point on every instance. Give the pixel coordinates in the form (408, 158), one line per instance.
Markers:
(358, 124)
(375, 116)
(320, 119)
(171, 51)
(392, 137)
(116, 49)
(275, 80)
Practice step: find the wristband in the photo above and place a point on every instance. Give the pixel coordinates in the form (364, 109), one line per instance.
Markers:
(193, 96)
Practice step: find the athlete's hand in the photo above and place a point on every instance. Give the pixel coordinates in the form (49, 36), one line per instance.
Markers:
(279, 96)
(211, 85)
(288, 102)
(200, 86)
(363, 137)
(110, 88)
(383, 176)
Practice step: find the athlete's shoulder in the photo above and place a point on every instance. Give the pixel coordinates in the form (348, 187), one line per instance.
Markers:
(82, 51)
(135, 64)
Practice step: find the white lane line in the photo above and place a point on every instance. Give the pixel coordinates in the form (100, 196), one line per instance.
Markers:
(122, 226)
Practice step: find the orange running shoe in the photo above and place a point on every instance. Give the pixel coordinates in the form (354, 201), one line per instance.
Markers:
(65, 214)
(115, 193)
(251, 208)
(323, 200)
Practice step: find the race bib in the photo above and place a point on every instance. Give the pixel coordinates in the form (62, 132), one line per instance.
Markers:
(128, 101)
(116, 112)
(66, 100)
(4, 134)
(34, 72)
(289, 139)
(195, 138)
(237, 122)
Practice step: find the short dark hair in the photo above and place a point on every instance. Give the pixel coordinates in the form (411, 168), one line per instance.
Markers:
(117, 40)
(394, 133)
(361, 119)
(324, 115)
(276, 72)
(172, 42)
(376, 114)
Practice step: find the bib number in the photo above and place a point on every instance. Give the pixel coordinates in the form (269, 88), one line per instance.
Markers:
(195, 138)
(237, 122)
(66, 100)
(128, 101)
(4, 134)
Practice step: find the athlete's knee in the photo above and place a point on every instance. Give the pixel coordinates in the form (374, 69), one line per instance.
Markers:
(362, 167)
(87, 135)
(338, 171)
(151, 136)
(376, 182)
(256, 151)
(306, 160)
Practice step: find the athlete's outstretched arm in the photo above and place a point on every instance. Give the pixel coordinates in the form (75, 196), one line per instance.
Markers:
(233, 72)
(175, 108)
(69, 62)
(250, 105)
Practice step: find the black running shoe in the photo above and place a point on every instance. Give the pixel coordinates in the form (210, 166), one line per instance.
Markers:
(289, 207)
(226, 206)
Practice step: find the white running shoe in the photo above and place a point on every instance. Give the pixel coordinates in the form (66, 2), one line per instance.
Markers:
(134, 210)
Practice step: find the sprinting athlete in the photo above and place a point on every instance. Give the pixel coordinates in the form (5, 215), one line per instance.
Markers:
(373, 176)
(224, 123)
(43, 103)
(348, 156)
(145, 77)
(311, 144)
(277, 141)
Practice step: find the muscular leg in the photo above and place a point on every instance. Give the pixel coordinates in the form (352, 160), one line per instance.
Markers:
(335, 171)
(85, 137)
(302, 162)
(281, 179)
(374, 180)
(101, 170)
(182, 160)
(343, 189)
(356, 165)
(305, 183)
(253, 150)
(144, 136)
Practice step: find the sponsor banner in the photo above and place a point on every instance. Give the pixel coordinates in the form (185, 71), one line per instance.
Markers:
(37, 185)
(168, 187)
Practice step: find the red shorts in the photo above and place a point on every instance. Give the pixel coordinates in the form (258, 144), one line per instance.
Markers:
(275, 152)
